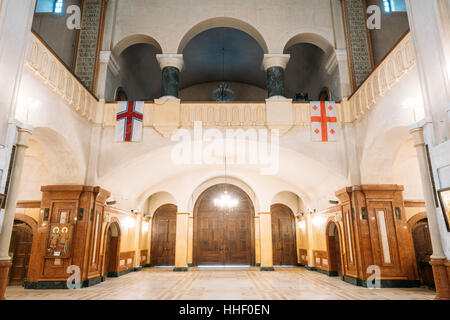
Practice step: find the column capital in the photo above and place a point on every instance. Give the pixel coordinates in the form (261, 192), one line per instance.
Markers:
(170, 60)
(416, 130)
(23, 137)
(276, 60)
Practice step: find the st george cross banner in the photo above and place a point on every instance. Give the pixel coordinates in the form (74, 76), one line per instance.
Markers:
(323, 121)
(130, 115)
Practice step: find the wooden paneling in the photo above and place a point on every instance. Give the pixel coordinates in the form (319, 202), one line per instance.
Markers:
(375, 232)
(143, 257)
(303, 256)
(164, 229)
(126, 260)
(81, 206)
(321, 260)
(222, 236)
(284, 244)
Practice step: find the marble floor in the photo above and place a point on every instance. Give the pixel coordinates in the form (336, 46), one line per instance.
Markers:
(222, 284)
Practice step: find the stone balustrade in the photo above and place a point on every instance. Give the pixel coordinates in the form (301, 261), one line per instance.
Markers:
(45, 64)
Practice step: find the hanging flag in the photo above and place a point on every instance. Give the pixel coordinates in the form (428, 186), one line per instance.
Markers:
(129, 119)
(323, 121)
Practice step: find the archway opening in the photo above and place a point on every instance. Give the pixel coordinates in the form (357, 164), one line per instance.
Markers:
(224, 235)
(284, 244)
(223, 55)
(164, 227)
(423, 249)
(20, 251)
(334, 250)
(112, 251)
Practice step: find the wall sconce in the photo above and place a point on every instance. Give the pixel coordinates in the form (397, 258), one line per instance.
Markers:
(301, 225)
(111, 203)
(135, 211)
(300, 214)
(334, 202)
(311, 210)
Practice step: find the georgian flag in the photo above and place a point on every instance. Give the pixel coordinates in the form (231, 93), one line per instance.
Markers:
(129, 121)
(323, 121)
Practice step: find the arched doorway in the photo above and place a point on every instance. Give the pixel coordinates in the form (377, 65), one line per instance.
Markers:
(112, 250)
(164, 228)
(223, 236)
(20, 250)
(284, 244)
(334, 249)
(422, 246)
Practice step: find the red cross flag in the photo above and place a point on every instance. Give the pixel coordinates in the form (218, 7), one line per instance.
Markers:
(130, 115)
(323, 121)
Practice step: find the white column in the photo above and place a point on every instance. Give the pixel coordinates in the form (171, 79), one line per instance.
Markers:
(429, 31)
(419, 143)
(24, 134)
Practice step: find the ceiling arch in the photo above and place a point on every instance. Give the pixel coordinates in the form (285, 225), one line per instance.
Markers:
(222, 22)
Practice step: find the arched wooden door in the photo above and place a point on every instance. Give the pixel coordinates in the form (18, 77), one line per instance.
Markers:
(112, 251)
(223, 236)
(20, 247)
(422, 246)
(164, 229)
(334, 249)
(284, 244)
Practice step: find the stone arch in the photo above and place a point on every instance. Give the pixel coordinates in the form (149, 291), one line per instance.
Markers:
(222, 22)
(312, 38)
(289, 199)
(156, 200)
(131, 40)
(50, 159)
(222, 180)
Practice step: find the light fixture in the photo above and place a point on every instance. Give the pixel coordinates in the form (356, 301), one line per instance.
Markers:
(226, 201)
(223, 91)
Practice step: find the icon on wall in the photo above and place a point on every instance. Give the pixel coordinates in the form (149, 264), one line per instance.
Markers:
(59, 241)
(444, 196)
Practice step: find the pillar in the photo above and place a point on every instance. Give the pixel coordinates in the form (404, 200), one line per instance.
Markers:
(265, 225)
(181, 242)
(171, 66)
(274, 65)
(438, 259)
(10, 210)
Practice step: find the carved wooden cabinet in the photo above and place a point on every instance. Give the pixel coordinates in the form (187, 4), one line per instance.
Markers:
(82, 207)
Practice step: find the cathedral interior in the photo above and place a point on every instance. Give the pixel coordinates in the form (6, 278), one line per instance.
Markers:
(225, 149)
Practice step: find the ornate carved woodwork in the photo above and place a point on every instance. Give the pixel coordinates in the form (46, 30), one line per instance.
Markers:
(375, 232)
(63, 204)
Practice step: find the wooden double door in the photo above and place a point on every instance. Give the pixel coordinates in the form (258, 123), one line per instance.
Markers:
(284, 243)
(164, 228)
(423, 249)
(223, 236)
(20, 248)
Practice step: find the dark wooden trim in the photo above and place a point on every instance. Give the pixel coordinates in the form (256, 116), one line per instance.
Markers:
(28, 204)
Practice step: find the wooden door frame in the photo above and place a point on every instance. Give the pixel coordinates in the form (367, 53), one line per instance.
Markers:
(339, 231)
(30, 222)
(153, 233)
(116, 222)
(293, 227)
(251, 220)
